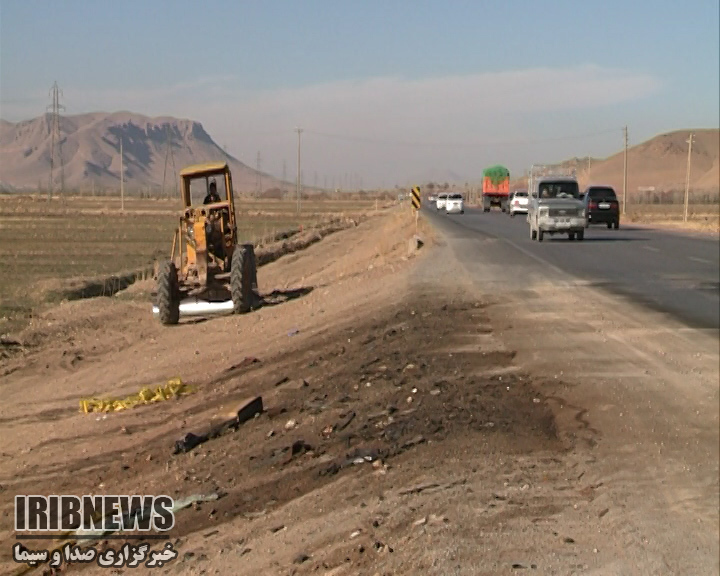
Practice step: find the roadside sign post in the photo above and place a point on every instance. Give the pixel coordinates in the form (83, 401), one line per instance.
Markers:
(416, 204)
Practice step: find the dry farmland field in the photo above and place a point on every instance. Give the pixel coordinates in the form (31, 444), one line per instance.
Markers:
(46, 244)
(702, 217)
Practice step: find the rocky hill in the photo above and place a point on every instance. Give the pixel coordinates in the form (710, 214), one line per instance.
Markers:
(90, 145)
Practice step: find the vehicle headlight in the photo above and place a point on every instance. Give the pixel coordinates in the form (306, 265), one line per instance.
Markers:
(581, 213)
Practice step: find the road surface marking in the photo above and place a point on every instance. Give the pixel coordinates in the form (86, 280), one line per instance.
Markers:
(702, 260)
(651, 248)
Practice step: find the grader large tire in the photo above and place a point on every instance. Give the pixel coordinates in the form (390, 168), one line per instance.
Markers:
(168, 294)
(242, 276)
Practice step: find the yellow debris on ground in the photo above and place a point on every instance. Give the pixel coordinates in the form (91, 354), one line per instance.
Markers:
(172, 389)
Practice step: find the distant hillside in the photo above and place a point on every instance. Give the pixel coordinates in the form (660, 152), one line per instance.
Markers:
(91, 152)
(659, 163)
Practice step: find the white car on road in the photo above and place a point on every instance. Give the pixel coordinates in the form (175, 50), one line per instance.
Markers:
(440, 202)
(518, 203)
(454, 203)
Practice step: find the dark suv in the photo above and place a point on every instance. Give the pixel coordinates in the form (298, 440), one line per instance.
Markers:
(602, 206)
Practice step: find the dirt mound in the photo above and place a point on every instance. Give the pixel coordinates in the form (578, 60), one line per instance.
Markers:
(347, 404)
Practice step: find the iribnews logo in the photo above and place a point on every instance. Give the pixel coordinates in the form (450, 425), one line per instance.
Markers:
(64, 513)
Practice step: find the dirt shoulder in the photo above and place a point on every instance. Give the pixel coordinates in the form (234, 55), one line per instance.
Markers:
(414, 423)
(708, 226)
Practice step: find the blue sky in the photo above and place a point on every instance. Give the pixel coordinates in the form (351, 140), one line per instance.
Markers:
(389, 91)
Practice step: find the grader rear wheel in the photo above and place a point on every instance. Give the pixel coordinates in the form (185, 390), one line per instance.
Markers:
(242, 277)
(168, 294)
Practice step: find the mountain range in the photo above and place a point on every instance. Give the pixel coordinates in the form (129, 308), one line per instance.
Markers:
(155, 149)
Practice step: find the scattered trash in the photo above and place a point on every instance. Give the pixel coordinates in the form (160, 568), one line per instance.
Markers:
(172, 389)
(282, 381)
(270, 434)
(277, 529)
(409, 367)
(420, 522)
(359, 456)
(382, 548)
(431, 486)
(536, 400)
(293, 332)
(345, 422)
(247, 410)
(419, 439)
(434, 392)
(244, 362)
(409, 399)
(327, 431)
(290, 424)
(300, 558)
(300, 447)
(355, 534)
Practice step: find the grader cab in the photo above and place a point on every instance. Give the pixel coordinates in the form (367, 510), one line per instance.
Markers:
(208, 271)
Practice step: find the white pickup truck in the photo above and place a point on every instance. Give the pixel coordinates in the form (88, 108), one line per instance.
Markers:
(554, 206)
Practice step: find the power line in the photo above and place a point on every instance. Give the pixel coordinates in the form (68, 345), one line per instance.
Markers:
(299, 174)
(55, 144)
(625, 169)
(687, 177)
(169, 157)
(258, 177)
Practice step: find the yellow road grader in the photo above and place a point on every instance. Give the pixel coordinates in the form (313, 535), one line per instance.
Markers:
(208, 272)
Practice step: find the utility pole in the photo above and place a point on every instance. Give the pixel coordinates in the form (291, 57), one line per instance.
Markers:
(122, 179)
(297, 184)
(687, 177)
(625, 169)
(258, 178)
(169, 157)
(284, 178)
(55, 148)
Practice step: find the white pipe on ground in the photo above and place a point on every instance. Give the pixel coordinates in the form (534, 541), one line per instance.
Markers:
(201, 308)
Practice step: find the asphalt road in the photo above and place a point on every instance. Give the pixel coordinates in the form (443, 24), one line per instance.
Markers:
(669, 272)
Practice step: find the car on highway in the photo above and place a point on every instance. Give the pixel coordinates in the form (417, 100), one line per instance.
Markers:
(454, 204)
(554, 206)
(431, 198)
(440, 202)
(518, 203)
(601, 206)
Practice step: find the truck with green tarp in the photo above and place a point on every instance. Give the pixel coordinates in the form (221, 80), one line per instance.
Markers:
(495, 187)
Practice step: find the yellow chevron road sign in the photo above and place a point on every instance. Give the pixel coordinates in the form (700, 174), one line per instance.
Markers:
(416, 197)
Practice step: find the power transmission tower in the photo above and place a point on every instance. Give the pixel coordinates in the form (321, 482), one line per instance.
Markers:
(625, 170)
(169, 156)
(55, 146)
(687, 177)
(122, 178)
(258, 178)
(297, 184)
